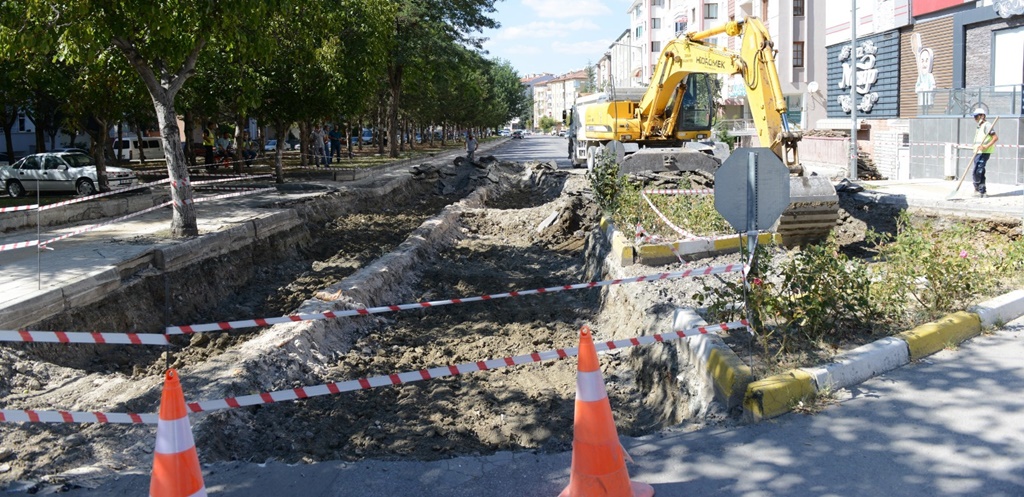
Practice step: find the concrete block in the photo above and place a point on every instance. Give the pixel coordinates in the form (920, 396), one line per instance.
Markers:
(31, 308)
(860, 364)
(776, 395)
(930, 338)
(91, 288)
(179, 255)
(1000, 310)
(277, 222)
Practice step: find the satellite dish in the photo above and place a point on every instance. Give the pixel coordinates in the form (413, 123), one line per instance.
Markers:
(812, 87)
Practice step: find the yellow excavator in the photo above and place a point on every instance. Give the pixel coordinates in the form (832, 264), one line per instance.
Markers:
(661, 129)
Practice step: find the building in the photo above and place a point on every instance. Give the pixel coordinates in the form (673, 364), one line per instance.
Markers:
(535, 87)
(922, 66)
(559, 95)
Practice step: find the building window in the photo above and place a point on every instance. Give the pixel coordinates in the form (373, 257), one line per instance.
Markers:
(798, 8)
(798, 54)
(656, 3)
(656, 47)
(656, 23)
(680, 26)
(711, 11)
(639, 32)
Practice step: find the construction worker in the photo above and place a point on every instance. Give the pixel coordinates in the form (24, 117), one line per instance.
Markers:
(985, 139)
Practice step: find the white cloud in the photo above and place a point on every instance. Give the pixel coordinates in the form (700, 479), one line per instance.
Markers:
(543, 29)
(592, 48)
(562, 9)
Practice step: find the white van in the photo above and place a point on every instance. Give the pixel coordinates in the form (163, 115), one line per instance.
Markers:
(128, 148)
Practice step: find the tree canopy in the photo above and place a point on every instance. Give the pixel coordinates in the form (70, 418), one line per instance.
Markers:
(87, 66)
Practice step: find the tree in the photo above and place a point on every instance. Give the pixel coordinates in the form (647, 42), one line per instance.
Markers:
(590, 85)
(162, 42)
(421, 28)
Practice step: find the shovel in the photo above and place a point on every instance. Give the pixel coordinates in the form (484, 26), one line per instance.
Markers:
(970, 166)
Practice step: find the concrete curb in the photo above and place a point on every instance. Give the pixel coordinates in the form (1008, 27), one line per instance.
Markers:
(658, 254)
(777, 395)
(723, 369)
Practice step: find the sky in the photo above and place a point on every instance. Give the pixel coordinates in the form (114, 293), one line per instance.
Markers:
(555, 36)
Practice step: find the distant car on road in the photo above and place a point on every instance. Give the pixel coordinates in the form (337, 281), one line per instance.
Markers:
(60, 172)
(517, 133)
(270, 146)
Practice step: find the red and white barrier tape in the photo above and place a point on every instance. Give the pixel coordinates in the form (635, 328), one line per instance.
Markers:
(683, 233)
(19, 208)
(643, 236)
(18, 245)
(692, 191)
(36, 416)
(104, 194)
(236, 194)
(106, 223)
(249, 323)
(83, 337)
(960, 145)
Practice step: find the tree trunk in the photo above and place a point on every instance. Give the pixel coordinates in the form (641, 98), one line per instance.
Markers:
(189, 147)
(183, 222)
(98, 133)
(395, 83)
(8, 124)
(138, 138)
(239, 147)
(278, 152)
(120, 143)
(303, 143)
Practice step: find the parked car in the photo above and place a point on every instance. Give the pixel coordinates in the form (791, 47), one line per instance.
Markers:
(270, 146)
(60, 172)
(517, 133)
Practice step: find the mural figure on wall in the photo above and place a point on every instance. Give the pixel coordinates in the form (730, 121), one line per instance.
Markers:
(925, 85)
(867, 75)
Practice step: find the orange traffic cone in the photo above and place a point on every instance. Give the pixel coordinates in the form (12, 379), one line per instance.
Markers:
(598, 459)
(176, 470)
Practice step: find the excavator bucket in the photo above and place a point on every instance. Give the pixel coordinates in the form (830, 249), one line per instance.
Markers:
(813, 207)
(812, 213)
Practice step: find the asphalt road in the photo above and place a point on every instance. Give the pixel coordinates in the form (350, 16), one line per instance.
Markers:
(537, 148)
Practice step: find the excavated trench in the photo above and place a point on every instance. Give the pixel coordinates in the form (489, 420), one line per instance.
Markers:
(504, 229)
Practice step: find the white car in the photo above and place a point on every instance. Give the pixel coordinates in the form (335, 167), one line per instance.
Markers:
(60, 172)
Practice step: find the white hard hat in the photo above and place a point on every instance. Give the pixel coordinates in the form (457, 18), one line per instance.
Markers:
(978, 111)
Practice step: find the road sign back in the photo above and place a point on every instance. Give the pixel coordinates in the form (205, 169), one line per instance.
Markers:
(752, 189)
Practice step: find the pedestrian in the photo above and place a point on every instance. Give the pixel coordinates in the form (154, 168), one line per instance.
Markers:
(470, 147)
(335, 136)
(208, 141)
(985, 139)
(317, 138)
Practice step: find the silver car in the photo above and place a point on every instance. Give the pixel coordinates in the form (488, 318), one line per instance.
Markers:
(60, 172)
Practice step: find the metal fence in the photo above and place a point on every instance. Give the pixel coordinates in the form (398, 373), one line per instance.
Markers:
(1002, 100)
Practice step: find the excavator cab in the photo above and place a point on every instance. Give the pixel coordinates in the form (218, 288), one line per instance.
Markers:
(698, 104)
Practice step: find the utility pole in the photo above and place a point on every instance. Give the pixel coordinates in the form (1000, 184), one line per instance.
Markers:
(853, 94)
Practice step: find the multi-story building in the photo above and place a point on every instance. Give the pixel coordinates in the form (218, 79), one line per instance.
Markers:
(563, 91)
(921, 67)
(535, 87)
